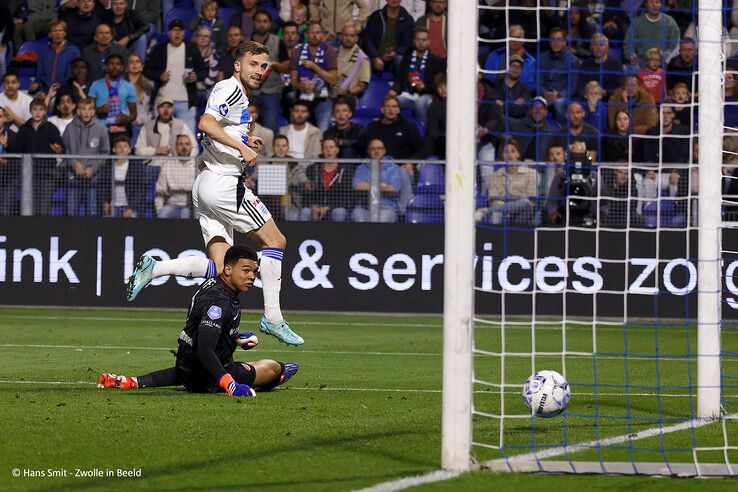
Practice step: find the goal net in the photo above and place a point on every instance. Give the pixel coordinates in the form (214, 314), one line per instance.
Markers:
(604, 243)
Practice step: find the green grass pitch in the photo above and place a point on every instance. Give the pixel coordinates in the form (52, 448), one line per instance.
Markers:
(364, 408)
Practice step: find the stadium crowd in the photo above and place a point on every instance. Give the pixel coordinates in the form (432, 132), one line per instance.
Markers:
(604, 81)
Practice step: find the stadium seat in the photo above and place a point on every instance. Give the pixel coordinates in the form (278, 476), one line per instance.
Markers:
(362, 120)
(225, 14)
(36, 46)
(431, 179)
(650, 213)
(425, 209)
(185, 14)
(58, 207)
(152, 175)
(371, 100)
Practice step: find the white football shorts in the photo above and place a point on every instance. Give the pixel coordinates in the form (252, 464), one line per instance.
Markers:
(224, 203)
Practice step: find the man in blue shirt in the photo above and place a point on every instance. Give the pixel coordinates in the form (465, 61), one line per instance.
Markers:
(115, 98)
(557, 71)
(497, 60)
(391, 183)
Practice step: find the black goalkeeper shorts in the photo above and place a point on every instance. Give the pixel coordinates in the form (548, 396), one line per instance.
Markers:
(196, 380)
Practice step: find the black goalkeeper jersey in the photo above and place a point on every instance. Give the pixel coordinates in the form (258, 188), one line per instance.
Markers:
(208, 339)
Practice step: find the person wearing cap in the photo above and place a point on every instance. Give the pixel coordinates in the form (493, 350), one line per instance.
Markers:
(508, 94)
(176, 67)
(557, 72)
(497, 60)
(534, 131)
(159, 137)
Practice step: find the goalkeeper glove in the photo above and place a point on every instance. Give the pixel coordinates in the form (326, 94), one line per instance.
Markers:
(248, 340)
(233, 388)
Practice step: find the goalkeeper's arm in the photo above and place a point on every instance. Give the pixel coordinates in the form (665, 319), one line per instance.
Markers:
(207, 340)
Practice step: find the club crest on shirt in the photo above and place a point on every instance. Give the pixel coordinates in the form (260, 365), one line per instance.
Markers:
(223, 109)
(215, 312)
(94, 142)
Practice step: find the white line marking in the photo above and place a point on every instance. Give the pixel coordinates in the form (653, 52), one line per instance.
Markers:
(635, 436)
(404, 483)
(98, 284)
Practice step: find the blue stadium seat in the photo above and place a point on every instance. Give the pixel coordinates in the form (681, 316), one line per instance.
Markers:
(225, 14)
(362, 120)
(36, 46)
(185, 14)
(425, 209)
(371, 100)
(152, 175)
(431, 179)
(58, 207)
(650, 213)
(422, 217)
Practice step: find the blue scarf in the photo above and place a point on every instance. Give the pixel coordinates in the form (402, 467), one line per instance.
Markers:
(114, 107)
(319, 59)
(415, 72)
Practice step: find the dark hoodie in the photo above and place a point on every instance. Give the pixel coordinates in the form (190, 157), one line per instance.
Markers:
(401, 137)
(89, 139)
(376, 24)
(31, 140)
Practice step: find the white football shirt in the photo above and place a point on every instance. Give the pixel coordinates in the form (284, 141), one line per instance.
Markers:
(230, 108)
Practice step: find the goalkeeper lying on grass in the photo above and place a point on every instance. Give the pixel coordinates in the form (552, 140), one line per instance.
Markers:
(206, 344)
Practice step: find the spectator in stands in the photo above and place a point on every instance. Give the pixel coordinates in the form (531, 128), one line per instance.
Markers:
(54, 62)
(616, 145)
(414, 80)
(388, 34)
(81, 23)
(557, 72)
(128, 197)
(15, 103)
(653, 76)
(349, 136)
(652, 29)
(400, 136)
(208, 17)
(176, 67)
(498, 59)
(245, 18)
(38, 136)
(637, 101)
(595, 111)
(354, 70)
(329, 187)
(579, 131)
(581, 212)
(682, 100)
(128, 28)
(115, 98)
(234, 36)
(144, 89)
(620, 212)
(333, 15)
(435, 127)
(510, 94)
(435, 22)
(150, 12)
(554, 167)
(681, 68)
(9, 169)
(7, 28)
(511, 189)
(672, 146)
(605, 70)
(85, 135)
(313, 69)
(391, 183)
(303, 137)
(31, 19)
(65, 109)
(415, 8)
(730, 93)
(580, 29)
(159, 137)
(203, 40)
(268, 96)
(76, 86)
(290, 35)
(174, 186)
(533, 132)
(256, 130)
(96, 53)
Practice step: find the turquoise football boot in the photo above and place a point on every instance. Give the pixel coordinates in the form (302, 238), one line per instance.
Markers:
(141, 277)
(281, 331)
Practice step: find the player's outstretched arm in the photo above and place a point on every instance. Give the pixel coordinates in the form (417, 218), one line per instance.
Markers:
(210, 127)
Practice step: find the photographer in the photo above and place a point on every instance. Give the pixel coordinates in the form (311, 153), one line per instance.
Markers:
(573, 190)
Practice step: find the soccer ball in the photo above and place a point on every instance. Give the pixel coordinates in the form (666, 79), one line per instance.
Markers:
(546, 394)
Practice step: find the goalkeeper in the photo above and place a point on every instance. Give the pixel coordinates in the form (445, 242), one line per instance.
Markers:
(210, 337)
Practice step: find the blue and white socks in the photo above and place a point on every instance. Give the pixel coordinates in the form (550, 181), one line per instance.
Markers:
(271, 279)
(189, 266)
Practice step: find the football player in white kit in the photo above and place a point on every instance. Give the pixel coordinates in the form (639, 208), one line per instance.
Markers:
(222, 202)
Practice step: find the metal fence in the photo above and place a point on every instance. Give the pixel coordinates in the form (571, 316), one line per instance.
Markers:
(522, 194)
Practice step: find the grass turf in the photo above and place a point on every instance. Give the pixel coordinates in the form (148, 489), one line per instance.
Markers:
(364, 408)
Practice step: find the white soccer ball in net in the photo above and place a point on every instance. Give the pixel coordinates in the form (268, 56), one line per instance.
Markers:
(546, 394)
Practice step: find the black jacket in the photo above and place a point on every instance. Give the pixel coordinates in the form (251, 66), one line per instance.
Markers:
(339, 192)
(435, 127)
(132, 25)
(31, 140)
(401, 137)
(376, 24)
(349, 140)
(81, 29)
(156, 64)
(435, 66)
(135, 184)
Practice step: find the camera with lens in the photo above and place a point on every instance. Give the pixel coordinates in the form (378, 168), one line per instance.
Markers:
(578, 189)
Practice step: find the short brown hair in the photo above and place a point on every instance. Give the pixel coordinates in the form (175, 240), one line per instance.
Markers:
(57, 22)
(86, 100)
(250, 47)
(390, 97)
(37, 102)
